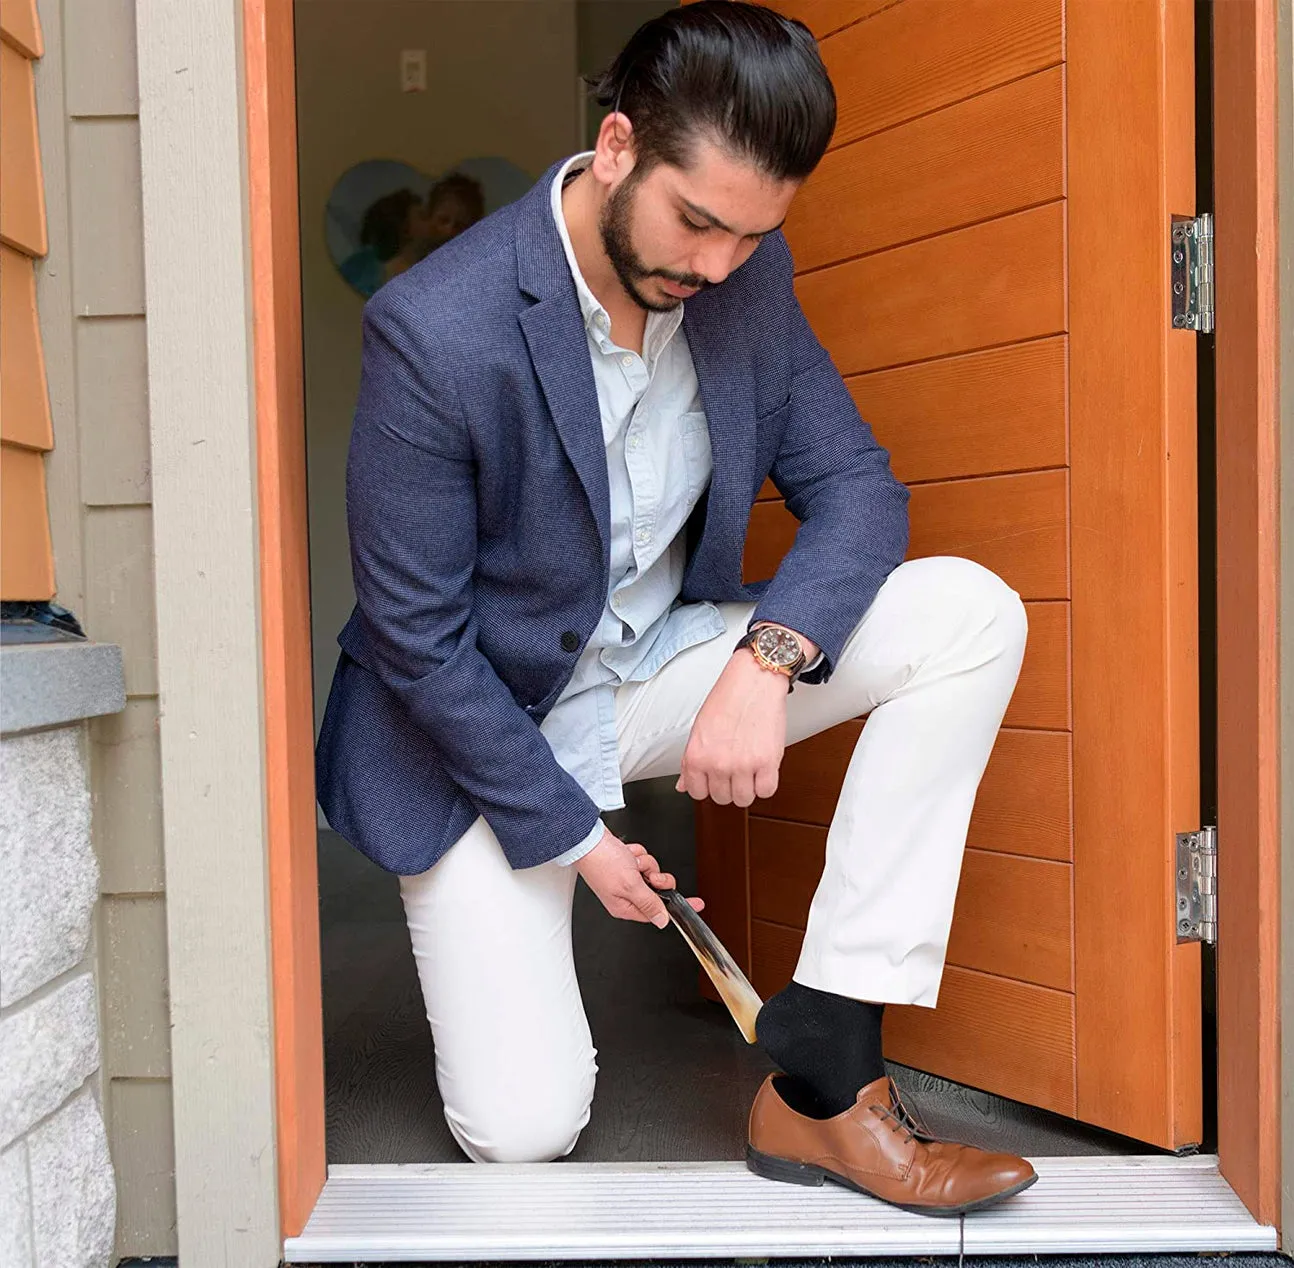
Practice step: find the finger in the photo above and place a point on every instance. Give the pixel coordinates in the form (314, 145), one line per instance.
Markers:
(743, 790)
(647, 863)
(766, 782)
(662, 880)
(636, 850)
(698, 904)
(651, 907)
(720, 790)
(697, 786)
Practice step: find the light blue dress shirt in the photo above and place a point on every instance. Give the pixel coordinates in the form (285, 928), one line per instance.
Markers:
(658, 466)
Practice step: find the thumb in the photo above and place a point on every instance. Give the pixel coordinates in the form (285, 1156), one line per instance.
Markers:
(651, 906)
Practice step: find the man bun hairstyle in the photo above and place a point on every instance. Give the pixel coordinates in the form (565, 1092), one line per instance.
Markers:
(741, 74)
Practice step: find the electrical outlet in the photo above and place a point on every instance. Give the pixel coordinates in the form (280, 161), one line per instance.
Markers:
(413, 70)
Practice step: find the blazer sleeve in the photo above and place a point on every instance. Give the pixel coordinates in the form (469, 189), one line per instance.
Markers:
(837, 482)
(411, 511)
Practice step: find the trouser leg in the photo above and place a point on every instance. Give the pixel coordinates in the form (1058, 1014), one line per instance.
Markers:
(514, 1057)
(934, 663)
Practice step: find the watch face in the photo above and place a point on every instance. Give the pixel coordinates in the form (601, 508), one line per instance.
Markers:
(778, 647)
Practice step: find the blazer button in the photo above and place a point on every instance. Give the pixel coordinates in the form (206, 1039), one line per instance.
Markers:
(570, 641)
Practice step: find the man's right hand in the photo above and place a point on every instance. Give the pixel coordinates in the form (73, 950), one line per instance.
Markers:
(625, 878)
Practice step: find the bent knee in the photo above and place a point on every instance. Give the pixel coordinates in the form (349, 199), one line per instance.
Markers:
(538, 1127)
(970, 591)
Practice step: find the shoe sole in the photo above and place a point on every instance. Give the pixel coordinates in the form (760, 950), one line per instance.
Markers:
(810, 1175)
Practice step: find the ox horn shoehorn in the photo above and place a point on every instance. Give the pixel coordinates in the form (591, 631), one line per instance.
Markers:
(731, 983)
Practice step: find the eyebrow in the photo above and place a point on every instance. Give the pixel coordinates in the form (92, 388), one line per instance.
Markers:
(719, 224)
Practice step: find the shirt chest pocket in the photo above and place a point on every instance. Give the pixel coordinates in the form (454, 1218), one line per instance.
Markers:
(694, 434)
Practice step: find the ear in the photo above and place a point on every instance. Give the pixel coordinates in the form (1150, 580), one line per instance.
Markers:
(615, 153)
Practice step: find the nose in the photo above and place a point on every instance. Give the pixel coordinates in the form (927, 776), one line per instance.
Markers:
(715, 260)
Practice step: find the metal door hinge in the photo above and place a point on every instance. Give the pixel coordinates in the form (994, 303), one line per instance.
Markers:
(1191, 251)
(1197, 886)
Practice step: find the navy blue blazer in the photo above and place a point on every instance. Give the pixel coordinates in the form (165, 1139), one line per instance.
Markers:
(476, 494)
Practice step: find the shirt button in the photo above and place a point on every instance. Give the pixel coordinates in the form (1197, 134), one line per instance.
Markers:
(570, 641)
(626, 360)
(634, 441)
(641, 536)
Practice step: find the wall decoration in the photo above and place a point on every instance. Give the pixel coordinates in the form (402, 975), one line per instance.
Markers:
(383, 216)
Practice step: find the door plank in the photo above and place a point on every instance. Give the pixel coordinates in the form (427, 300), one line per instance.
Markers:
(822, 17)
(972, 161)
(1024, 801)
(785, 866)
(1014, 918)
(1013, 525)
(1012, 1038)
(722, 855)
(995, 412)
(1013, 913)
(774, 950)
(916, 57)
(982, 413)
(992, 283)
(1023, 806)
(1042, 693)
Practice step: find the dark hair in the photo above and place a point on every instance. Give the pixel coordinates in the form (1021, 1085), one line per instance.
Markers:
(463, 190)
(750, 78)
(385, 223)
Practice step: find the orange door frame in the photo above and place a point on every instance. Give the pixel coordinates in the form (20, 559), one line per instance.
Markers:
(1248, 559)
(1248, 551)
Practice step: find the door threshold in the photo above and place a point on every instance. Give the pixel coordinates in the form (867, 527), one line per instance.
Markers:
(607, 1211)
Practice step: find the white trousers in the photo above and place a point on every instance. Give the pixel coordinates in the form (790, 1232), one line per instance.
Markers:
(934, 663)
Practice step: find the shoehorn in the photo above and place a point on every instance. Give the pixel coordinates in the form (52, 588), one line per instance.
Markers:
(731, 983)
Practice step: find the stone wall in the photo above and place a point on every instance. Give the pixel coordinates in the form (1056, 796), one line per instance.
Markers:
(57, 1193)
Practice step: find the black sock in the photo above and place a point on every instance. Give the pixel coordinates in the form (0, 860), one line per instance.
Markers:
(828, 1043)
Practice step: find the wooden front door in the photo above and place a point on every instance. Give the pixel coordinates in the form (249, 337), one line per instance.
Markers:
(984, 253)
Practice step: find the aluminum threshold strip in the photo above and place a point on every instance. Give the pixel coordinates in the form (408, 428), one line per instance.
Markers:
(608, 1211)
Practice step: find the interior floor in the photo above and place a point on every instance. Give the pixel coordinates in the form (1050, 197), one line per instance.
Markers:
(675, 1077)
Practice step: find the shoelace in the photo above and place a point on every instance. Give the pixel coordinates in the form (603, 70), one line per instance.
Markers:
(904, 1119)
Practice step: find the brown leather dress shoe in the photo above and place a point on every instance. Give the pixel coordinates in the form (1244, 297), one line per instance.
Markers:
(878, 1147)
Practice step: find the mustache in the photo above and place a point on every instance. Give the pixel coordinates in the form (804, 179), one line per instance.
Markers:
(694, 281)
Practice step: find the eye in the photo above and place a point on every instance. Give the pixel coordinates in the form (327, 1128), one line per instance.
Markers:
(689, 223)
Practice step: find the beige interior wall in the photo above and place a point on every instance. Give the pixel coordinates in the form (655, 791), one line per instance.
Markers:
(501, 80)
(90, 296)
(602, 28)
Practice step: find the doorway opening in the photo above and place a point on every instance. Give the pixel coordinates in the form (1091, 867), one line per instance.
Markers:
(416, 117)
(397, 99)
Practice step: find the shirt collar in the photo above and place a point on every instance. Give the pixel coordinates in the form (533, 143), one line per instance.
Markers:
(660, 326)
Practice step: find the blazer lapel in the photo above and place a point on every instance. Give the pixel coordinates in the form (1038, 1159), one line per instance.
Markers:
(553, 328)
(726, 378)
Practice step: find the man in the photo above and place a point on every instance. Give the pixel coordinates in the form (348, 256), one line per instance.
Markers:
(564, 419)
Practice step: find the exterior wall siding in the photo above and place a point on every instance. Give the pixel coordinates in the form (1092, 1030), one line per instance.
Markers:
(26, 557)
(90, 294)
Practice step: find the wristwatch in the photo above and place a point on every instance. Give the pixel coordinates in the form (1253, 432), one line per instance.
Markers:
(777, 649)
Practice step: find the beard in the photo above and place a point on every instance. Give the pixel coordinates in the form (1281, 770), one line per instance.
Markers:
(615, 226)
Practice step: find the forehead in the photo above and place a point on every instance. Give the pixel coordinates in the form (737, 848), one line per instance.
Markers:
(729, 188)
